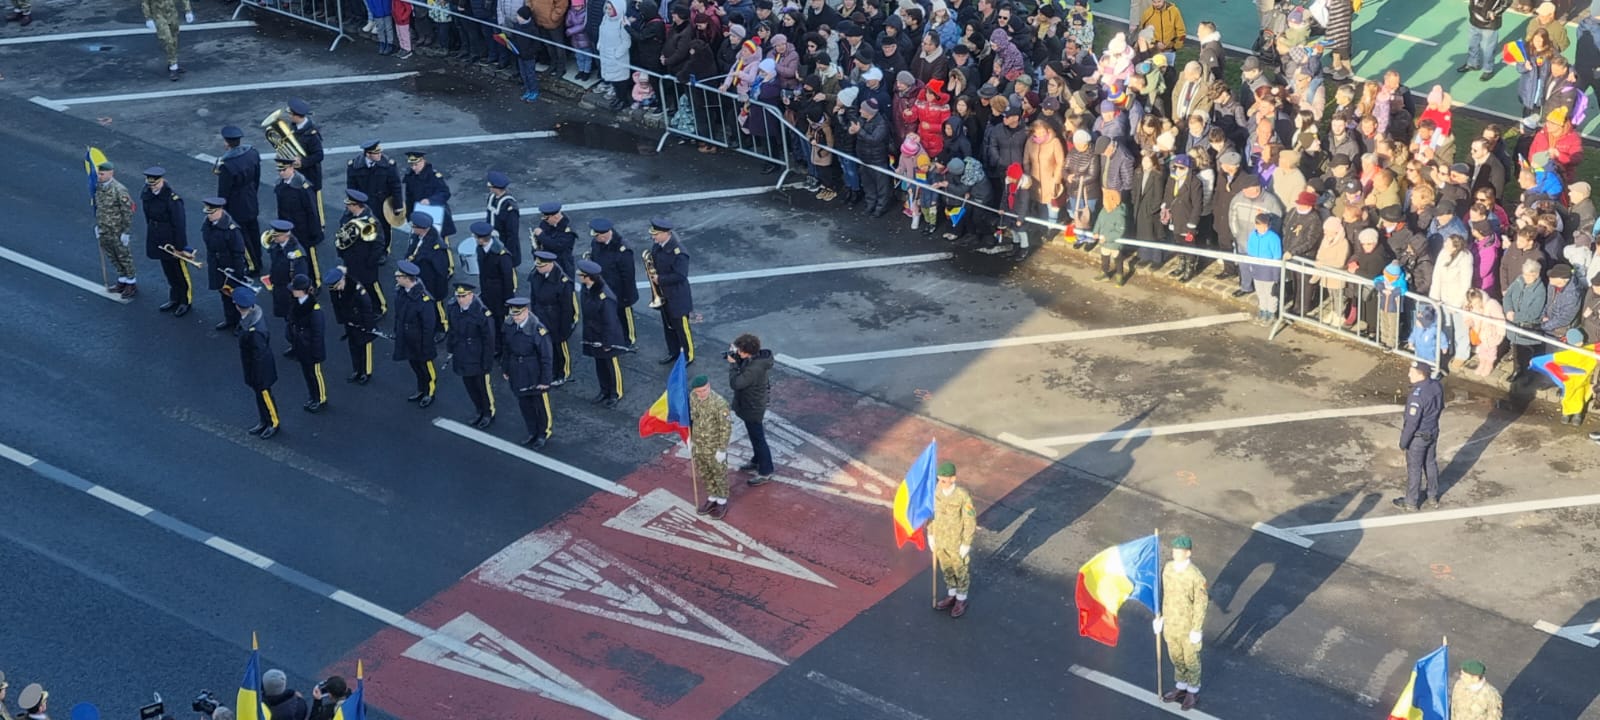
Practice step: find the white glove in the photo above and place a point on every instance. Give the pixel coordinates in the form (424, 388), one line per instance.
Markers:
(930, 541)
(1156, 625)
(963, 550)
(721, 456)
(188, 17)
(126, 239)
(97, 233)
(151, 24)
(1194, 637)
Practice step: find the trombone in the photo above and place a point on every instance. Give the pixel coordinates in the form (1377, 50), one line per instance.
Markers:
(186, 257)
(656, 299)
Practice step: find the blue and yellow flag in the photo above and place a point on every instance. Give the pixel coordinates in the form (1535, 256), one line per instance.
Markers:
(248, 706)
(355, 706)
(1427, 693)
(92, 157)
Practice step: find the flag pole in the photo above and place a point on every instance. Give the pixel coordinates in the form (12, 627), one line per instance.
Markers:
(94, 206)
(694, 473)
(1158, 613)
(933, 559)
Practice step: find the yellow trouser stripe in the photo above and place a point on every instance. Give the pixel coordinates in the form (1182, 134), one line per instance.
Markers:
(272, 410)
(316, 274)
(432, 376)
(688, 341)
(188, 283)
(322, 387)
(444, 320)
(549, 417)
(566, 365)
(616, 367)
(368, 369)
(627, 314)
(322, 217)
(488, 391)
(383, 305)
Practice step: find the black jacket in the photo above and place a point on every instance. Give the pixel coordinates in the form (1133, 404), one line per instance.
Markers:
(1002, 147)
(380, 182)
(311, 141)
(287, 260)
(353, 307)
(255, 351)
(297, 203)
(554, 300)
(617, 268)
(163, 222)
(497, 277)
(527, 361)
(429, 185)
(224, 251)
(1302, 233)
(428, 251)
(239, 180)
(306, 327)
(872, 140)
(751, 388)
(470, 339)
(672, 276)
(288, 706)
(559, 239)
(602, 329)
(416, 318)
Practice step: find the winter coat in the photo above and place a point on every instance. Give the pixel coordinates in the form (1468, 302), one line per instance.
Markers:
(1524, 306)
(1487, 264)
(931, 113)
(1452, 278)
(613, 45)
(470, 339)
(787, 58)
(748, 379)
(1561, 307)
(1267, 246)
(1333, 252)
(1044, 162)
(648, 38)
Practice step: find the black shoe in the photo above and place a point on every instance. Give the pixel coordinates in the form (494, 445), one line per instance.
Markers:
(313, 406)
(1104, 276)
(1240, 293)
(257, 429)
(168, 306)
(1486, 76)
(484, 422)
(181, 310)
(224, 325)
(354, 377)
(1401, 503)
(528, 441)
(1178, 271)
(538, 442)
(475, 420)
(668, 360)
(748, 467)
(364, 379)
(610, 402)
(1465, 68)
(1228, 272)
(1434, 504)
(415, 396)
(425, 401)
(269, 431)
(758, 480)
(598, 398)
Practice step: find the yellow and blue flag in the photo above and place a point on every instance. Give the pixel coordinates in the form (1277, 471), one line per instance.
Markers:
(1427, 694)
(355, 706)
(92, 157)
(248, 705)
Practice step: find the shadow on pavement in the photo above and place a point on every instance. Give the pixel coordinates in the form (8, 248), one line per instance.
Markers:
(1505, 413)
(1545, 689)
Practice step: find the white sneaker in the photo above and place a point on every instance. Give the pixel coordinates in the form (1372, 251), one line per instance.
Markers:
(369, 27)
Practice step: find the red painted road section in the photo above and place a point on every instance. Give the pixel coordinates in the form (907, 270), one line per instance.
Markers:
(664, 621)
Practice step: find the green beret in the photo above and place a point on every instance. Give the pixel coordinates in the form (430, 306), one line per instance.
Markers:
(699, 381)
(1182, 542)
(947, 469)
(1473, 667)
(107, 165)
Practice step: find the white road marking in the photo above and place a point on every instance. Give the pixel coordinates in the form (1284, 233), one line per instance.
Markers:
(816, 268)
(423, 143)
(1580, 634)
(45, 268)
(1442, 515)
(1331, 637)
(1407, 38)
(532, 208)
(17, 456)
(1016, 440)
(538, 677)
(63, 103)
(239, 552)
(1214, 425)
(124, 32)
(553, 567)
(548, 463)
(660, 515)
(122, 501)
(852, 692)
(1144, 695)
(1281, 534)
(1028, 340)
(808, 462)
(1378, 681)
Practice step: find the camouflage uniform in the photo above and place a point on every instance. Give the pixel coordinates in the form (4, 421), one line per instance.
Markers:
(1469, 704)
(954, 523)
(164, 13)
(712, 429)
(1183, 609)
(113, 217)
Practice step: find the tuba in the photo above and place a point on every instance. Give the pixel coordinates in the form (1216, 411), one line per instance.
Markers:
(281, 135)
(361, 229)
(656, 300)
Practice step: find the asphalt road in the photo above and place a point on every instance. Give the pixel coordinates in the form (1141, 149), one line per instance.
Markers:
(475, 583)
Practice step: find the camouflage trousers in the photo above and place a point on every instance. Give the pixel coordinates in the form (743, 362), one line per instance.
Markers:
(167, 33)
(713, 474)
(121, 257)
(23, 6)
(1185, 656)
(957, 570)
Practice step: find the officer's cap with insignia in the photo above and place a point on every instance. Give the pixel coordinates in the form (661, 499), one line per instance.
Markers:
(421, 220)
(300, 282)
(355, 196)
(497, 179)
(660, 224)
(244, 297)
(283, 162)
(415, 155)
(155, 171)
(544, 257)
(589, 267)
(371, 146)
(214, 203)
(1182, 542)
(482, 229)
(406, 267)
(464, 288)
(517, 303)
(282, 226)
(549, 208)
(32, 697)
(231, 132)
(599, 225)
(299, 107)
(332, 277)
(1422, 367)
(946, 469)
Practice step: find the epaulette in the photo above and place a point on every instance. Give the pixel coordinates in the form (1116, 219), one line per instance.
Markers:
(296, 254)
(425, 298)
(542, 330)
(438, 174)
(625, 248)
(677, 251)
(350, 163)
(486, 313)
(602, 296)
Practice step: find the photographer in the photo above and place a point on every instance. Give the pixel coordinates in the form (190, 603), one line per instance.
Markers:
(283, 703)
(748, 365)
(326, 697)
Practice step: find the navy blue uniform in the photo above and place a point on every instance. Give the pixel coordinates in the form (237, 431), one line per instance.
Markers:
(603, 338)
(416, 319)
(380, 180)
(260, 367)
(311, 165)
(433, 258)
(362, 258)
(429, 185)
(528, 366)
(559, 239)
(1420, 439)
(239, 182)
(354, 309)
(617, 268)
(297, 203)
(306, 340)
(497, 281)
(287, 259)
(503, 215)
(163, 225)
(471, 344)
(225, 250)
(672, 277)
(555, 302)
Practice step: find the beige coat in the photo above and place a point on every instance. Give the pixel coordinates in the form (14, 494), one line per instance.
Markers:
(1334, 252)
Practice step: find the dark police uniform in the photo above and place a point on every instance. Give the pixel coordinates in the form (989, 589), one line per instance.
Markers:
(238, 174)
(471, 345)
(416, 319)
(497, 276)
(362, 257)
(1420, 438)
(617, 267)
(354, 309)
(428, 184)
(527, 365)
(504, 217)
(380, 180)
(555, 301)
(297, 203)
(431, 256)
(307, 343)
(603, 338)
(672, 277)
(310, 138)
(163, 223)
(225, 251)
(287, 259)
(255, 356)
(556, 237)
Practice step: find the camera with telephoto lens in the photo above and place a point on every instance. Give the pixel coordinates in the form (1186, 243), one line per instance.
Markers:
(206, 703)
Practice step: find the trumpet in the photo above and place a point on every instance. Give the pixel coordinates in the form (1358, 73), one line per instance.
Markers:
(656, 299)
(280, 133)
(188, 258)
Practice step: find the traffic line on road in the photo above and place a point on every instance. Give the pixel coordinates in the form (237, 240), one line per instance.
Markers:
(1581, 634)
(423, 143)
(45, 268)
(123, 32)
(1040, 445)
(1144, 695)
(61, 104)
(884, 707)
(1443, 515)
(533, 208)
(1281, 534)
(816, 268)
(522, 453)
(1407, 38)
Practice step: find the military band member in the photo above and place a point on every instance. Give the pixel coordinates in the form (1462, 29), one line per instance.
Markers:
(616, 266)
(950, 536)
(353, 308)
(297, 203)
(378, 176)
(713, 427)
(358, 243)
(309, 136)
(432, 256)
(426, 186)
(164, 235)
(602, 332)
(255, 355)
(668, 267)
(113, 219)
(416, 320)
(503, 215)
(307, 326)
(471, 345)
(225, 256)
(162, 17)
(527, 365)
(497, 275)
(238, 174)
(554, 234)
(1183, 613)
(285, 259)
(555, 301)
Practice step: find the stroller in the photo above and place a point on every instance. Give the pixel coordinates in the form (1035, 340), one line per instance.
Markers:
(1300, 20)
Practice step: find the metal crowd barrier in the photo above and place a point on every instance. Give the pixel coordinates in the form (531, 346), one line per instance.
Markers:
(327, 14)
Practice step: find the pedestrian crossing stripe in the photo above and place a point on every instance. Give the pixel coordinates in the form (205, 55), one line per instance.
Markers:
(665, 517)
(806, 461)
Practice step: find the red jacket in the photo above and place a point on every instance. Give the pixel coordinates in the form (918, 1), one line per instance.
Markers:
(932, 109)
(1566, 152)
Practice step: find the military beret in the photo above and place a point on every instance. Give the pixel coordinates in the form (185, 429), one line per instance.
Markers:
(497, 179)
(549, 208)
(1470, 667)
(244, 297)
(422, 220)
(1391, 213)
(660, 224)
(517, 302)
(32, 696)
(299, 107)
(333, 276)
(155, 171)
(544, 256)
(699, 381)
(371, 146)
(282, 225)
(1562, 271)
(107, 165)
(946, 469)
(465, 288)
(589, 267)
(600, 225)
(415, 155)
(1182, 542)
(353, 195)
(482, 228)
(300, 282)
(406, 267)
(231, 132)
(214, 202)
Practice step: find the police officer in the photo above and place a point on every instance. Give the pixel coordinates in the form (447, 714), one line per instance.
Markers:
(527, 365)
(362, 257)
(164, 235)
(555, 301)
(503, 216)
(238, 174)
(669, 266)
(471, 344)
(286, 259)
(416, 320)
(603, 339)
(225, 255)
(353, 308)
(426, 186)
(1183, 613)
(427, 250)
(297, 203)
(255, 355)
(950, 538)
(378, 176)
(616, 266)
(306, 340)
(497, 274)
(554, 234)
(309, 136)
(1419, 437)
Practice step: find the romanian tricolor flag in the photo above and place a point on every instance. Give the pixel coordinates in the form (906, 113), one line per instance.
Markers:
(1427, 694)
(505, 41)
(1130, 570)
(248, 705)
(1515, 51)
(913, 500)
(670, 413)
(92, 157)
(355, 706)
(1570, 370)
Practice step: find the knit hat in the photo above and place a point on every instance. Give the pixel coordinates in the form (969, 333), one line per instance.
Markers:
(768, 66)
(1391, 272)
(905, 78)
(911, 146)
(847, 96)
(738, 31)
(1367, 237)
(274, 682)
